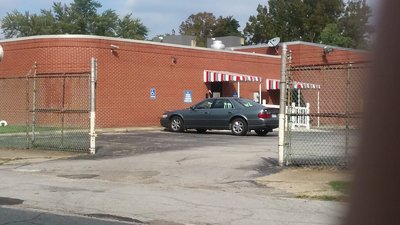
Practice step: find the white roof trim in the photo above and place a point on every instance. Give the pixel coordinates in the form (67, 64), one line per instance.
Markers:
(78, 36)
(323, 45)
(298, 43)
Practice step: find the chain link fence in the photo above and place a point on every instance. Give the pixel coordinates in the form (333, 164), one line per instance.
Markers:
(46, 109)
(323, 115)
(145, 83)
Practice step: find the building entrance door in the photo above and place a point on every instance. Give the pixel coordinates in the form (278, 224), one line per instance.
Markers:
(216, 89)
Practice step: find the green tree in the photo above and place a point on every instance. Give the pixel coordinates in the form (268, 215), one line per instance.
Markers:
(320, 13)
(132, 28)
(283, 18)
(63, 16)
(80, 17)
(26, 24)
(354, 23)
(226, 26)
(205, 25)
(200, 25)
(84, 15)
(106, 24)
(331, 35)
(259, 27)
(307, 20)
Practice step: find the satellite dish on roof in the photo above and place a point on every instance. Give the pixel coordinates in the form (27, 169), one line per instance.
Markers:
(274, 42)
(1, 53)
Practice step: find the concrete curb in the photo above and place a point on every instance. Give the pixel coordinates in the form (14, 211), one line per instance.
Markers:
(128, 129)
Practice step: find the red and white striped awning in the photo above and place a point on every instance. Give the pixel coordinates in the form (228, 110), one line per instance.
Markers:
(274, 85)
(222, 76)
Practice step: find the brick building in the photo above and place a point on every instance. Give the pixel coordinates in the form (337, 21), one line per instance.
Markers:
(128, 70)
(138, 80)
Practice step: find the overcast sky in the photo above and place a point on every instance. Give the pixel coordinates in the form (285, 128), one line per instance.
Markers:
(160, 16)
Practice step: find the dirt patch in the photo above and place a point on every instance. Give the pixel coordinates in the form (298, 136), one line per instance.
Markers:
(306, 182)
(25, 156)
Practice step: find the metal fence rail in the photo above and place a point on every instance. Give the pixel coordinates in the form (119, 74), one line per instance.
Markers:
(333, 115)
(46, 110)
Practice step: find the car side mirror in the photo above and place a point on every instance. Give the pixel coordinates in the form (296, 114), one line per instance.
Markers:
(192, 108)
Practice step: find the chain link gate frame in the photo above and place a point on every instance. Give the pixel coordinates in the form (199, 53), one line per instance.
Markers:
(49, 110)
(334, 115)
(322, 116)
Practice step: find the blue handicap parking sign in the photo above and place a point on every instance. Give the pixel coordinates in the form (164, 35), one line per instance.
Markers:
(152, 93)
(187, 96)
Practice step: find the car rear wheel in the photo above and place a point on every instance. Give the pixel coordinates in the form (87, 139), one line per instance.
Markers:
(176, 124)
(201, 131)
(262, 132)
(239, 127)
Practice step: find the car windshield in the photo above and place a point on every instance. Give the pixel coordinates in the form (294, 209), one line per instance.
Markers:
(247, 103)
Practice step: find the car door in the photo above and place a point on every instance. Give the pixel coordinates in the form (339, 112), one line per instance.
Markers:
(220, 113)
(198, 116)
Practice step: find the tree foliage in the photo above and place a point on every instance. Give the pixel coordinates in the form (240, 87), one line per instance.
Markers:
(354, 23)
(226, 26)
(205, 25)
(200, 25)
(320, 21)
(80, 17)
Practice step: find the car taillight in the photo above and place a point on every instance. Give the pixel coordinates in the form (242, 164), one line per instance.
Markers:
(264, 115)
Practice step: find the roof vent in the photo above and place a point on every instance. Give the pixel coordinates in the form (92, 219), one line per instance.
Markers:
(217, 45)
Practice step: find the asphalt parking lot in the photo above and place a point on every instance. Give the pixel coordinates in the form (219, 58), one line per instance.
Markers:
(146, 142)
(183, 178)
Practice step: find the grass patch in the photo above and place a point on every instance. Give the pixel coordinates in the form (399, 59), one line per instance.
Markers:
(340, 186)
(12, 129)
(22, 129)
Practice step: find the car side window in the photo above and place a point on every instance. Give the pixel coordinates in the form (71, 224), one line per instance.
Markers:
(222, 104)
(205, 104)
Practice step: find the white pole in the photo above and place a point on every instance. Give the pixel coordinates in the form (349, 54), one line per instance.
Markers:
(318, 108)
(282, 110)
(238, 89)
(34, 104)
(298, 97)
(92, 133)
(259, 94)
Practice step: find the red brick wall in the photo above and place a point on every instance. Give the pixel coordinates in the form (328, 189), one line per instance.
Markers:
(303, 54)
(126, 75)
(333, 81)
(260, 50)
(309, 54)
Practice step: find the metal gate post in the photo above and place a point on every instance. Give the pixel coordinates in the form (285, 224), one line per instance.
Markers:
(349, 66)
(93, 76)
(34, 104)
(282, 108)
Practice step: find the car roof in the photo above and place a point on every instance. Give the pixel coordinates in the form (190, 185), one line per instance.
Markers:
(226, 98)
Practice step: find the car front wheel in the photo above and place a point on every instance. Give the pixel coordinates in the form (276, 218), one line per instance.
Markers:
(239, 127)
(262, 132)
(176, 124)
